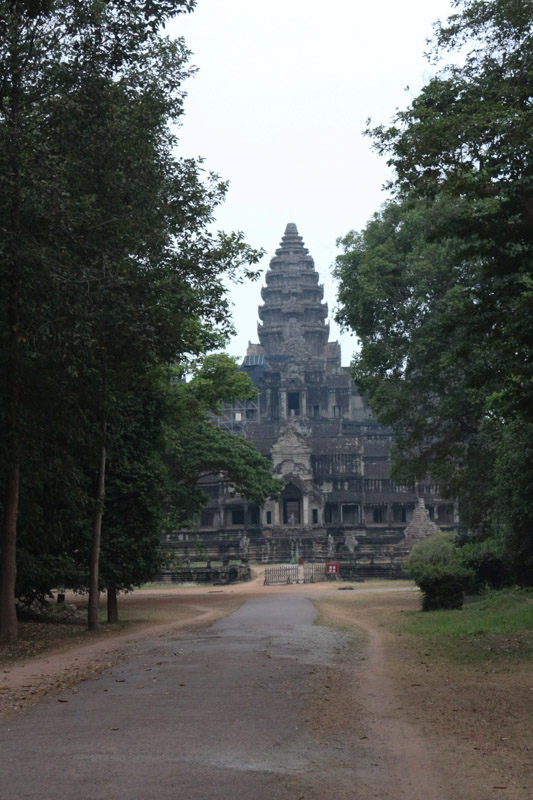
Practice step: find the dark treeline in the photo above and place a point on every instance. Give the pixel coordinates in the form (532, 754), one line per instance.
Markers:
(439, 285)
(111, 288)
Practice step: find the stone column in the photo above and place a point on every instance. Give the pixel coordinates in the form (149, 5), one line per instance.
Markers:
(283, 403)
(305, 509)
(331, 402)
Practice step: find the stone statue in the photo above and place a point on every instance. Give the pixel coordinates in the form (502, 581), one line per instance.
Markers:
(351, 542)
(331, 546)
(244, 546)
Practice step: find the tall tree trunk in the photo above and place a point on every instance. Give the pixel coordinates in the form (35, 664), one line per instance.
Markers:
(8, 611)
(8, 574)
(94, 594)
(112, 603)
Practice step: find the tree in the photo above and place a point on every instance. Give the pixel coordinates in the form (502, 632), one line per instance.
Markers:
(161, 443)
(467, 137)
(435, 566)
(137, 488)
(196, 448)
(407, 295)
(107, 263)
(438, 286)
(28, 41)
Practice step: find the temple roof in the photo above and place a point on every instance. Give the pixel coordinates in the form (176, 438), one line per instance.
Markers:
(292, 250)
(293, 314)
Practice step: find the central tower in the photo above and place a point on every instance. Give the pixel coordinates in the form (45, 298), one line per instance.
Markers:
(293, 315)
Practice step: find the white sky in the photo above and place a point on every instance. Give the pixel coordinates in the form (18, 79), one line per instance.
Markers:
(278, 108)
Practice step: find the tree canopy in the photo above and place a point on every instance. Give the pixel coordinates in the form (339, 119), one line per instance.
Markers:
(109, 269)
(439, 284)
(197, 448)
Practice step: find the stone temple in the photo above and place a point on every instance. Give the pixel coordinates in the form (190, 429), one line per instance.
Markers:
(338, 502)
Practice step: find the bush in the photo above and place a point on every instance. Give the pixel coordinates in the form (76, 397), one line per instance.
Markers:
(486, 559)
(442, 586)
(436, 567)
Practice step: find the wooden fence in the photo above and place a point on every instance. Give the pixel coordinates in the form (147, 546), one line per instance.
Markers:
(313, 573)
(309, 573)
(285, 574)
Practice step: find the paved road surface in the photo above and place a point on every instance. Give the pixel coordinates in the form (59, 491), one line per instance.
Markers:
(229, 712)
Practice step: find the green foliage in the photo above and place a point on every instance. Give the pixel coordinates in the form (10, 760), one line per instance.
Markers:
(442, 587)
(217, 378)
(137, 485)
(514, 501)
(109, 272)
(486, 559)
(479, 114)
(405, 296)
(439, 285)
(196, 448)
(436, 567)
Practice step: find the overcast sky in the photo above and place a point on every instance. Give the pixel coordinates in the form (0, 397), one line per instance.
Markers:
(278, 108)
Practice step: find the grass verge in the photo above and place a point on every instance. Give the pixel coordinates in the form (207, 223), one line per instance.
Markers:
(495, 629)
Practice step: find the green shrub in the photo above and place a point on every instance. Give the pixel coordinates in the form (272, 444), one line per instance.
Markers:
(436, 567)
(442, 586)
(486, 558)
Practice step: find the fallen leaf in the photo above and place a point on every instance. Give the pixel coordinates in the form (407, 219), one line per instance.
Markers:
(59, 700)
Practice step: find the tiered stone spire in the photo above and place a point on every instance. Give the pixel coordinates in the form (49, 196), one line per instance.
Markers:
(293, 314)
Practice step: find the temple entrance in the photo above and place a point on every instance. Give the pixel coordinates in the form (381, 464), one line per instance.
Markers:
(291, 512)
(291, 500)
(293, 404)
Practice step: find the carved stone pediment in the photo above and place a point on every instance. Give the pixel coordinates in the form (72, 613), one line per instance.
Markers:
(291, 454)
(295, 480)
(293, 340)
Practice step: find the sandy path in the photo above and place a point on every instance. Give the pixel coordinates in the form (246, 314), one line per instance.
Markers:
(283, 711)
(243, 708)
(163, 610)
(447, 730)
(28, 682)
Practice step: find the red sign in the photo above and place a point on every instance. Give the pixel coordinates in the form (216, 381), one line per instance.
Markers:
(332, 569)
(301, 562)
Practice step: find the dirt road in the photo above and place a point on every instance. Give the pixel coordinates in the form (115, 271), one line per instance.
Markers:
(262, 703)
(233, 711)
